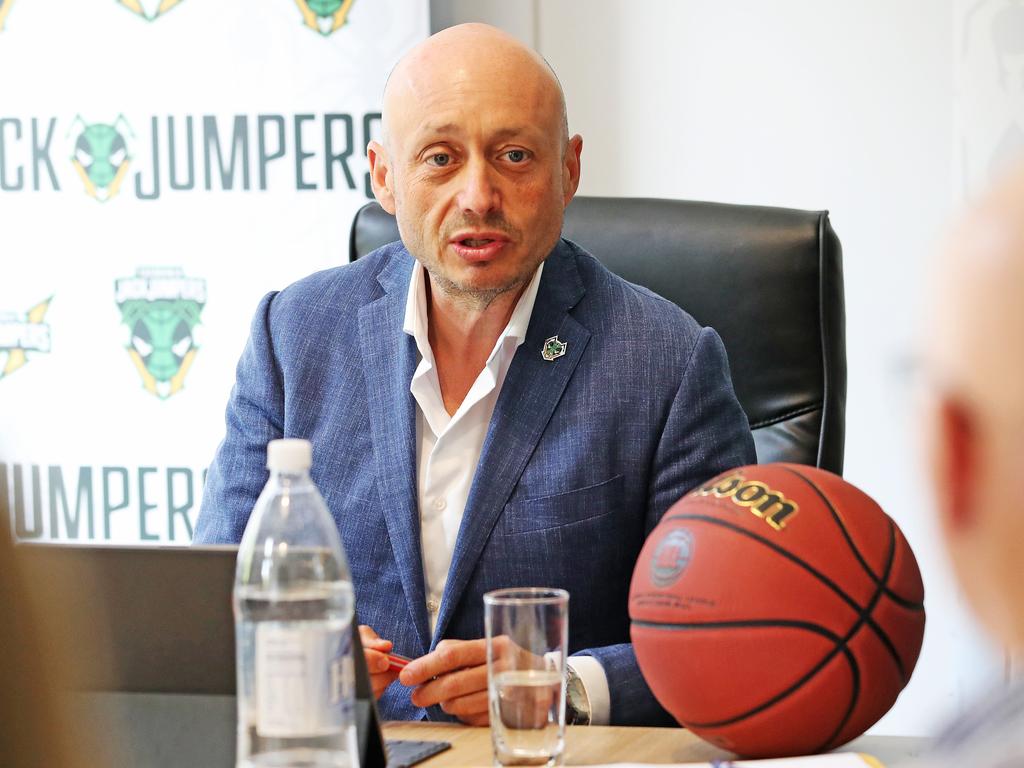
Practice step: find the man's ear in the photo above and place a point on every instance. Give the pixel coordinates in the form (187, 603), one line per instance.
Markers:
(380, 176)
(571, 168)
(955, 468)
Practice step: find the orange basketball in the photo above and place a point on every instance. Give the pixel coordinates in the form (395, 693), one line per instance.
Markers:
(777, 610)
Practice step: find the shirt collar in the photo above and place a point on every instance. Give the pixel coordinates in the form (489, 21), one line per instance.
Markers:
(415, 323)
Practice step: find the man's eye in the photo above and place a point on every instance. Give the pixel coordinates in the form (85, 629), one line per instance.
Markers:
(440, 159)
(516, 155)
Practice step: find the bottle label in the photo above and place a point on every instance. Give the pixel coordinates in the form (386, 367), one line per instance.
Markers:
(304, 678)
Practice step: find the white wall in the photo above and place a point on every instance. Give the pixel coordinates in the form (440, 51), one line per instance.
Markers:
(845, 105)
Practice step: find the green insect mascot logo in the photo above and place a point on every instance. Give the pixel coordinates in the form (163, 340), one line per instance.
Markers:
(149, 9)
(324, 16)
(101, 155)
(23, 336)
(160, 307)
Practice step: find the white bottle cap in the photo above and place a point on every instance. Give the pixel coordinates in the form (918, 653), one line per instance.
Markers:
(289, 455)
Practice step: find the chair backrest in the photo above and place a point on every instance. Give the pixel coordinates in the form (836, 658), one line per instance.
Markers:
(768, 280)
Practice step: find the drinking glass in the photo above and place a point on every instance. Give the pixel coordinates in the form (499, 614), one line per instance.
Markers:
(527, 642)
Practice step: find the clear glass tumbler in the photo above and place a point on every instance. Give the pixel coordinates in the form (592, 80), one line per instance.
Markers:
(527, 643)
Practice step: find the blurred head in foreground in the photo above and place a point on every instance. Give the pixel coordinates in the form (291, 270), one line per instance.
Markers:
(974, 356)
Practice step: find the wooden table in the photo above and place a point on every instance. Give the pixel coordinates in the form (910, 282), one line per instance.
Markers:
(613, 744)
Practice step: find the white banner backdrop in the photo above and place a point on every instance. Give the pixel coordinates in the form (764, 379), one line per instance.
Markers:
(988, 78)
(163, 164)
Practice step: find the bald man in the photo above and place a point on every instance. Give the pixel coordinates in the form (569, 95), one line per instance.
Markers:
(975, 440)
(489, 407)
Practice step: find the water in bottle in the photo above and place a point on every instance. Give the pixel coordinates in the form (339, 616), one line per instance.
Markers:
(293, 605)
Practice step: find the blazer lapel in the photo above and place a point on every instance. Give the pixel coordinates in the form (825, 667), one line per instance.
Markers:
(389, 361)
(531, 391)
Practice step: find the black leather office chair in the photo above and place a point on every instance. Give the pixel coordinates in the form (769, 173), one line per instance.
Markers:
(769, 280)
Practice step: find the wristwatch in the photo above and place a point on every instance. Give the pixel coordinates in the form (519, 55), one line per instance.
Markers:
(577, 703)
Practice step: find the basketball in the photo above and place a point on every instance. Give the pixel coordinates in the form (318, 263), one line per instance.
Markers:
(776, 610)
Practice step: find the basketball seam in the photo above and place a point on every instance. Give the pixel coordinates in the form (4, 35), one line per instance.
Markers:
(789, 623)
(881, 583)
(855, 694)
(839, 523)
(810, 569)
(840, 645)
(899, 600)
(740, 624)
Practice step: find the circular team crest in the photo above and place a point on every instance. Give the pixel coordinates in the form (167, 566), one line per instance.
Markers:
(671, 558)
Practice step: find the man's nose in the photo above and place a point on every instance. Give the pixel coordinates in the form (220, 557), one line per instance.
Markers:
(479, 192)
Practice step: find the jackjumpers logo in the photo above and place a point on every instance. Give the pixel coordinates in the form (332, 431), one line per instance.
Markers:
(161, 308)
(324, 16)
(5, 8)
(187, 153)
(22, 336)
(149, 9)
(101, 155)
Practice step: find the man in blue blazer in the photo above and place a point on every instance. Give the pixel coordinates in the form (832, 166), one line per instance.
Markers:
(489, 406)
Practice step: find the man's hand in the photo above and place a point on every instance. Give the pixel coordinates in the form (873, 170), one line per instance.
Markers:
(376, 649)
(453, 675)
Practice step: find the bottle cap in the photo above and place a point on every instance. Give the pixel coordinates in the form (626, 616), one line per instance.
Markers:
(289, 455)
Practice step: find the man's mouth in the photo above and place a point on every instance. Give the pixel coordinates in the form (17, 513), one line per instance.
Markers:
(479, 247)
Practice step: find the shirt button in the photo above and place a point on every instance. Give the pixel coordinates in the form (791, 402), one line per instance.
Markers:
(440, 504)
(432, 606)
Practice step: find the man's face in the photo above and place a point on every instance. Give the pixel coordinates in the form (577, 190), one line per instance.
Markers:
(478, 175)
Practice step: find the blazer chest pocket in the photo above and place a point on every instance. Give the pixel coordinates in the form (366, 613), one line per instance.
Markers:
(560, 509)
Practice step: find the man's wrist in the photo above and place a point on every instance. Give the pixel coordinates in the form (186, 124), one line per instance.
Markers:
(577, 702)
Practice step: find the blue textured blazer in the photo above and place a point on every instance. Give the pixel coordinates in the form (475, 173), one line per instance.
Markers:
(583, 455)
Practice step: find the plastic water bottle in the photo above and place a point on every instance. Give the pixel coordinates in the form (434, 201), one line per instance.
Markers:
(293, 603)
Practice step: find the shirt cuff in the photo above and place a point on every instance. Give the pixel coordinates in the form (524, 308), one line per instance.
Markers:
(595, 683)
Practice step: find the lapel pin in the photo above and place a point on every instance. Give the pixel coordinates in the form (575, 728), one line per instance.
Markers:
(553, 349)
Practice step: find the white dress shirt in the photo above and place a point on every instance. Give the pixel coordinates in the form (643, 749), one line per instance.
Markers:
(448, 450)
